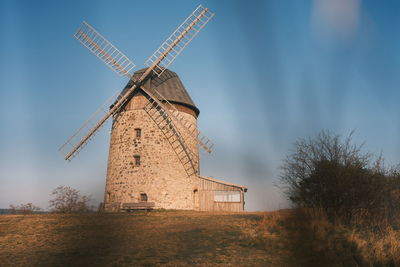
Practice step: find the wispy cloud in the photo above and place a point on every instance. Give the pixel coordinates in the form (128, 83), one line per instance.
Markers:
(336, 18)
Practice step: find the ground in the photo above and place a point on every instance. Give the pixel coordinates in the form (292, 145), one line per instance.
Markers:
(162, 238)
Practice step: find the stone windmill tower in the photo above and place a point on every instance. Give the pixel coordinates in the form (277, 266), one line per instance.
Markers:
(153, 157)
(146, 161)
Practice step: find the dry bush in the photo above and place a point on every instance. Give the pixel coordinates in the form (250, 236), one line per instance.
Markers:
(331, 173)
(69, 200)
(27, 208)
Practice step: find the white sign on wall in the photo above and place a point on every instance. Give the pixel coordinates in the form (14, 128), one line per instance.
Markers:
(227, 196)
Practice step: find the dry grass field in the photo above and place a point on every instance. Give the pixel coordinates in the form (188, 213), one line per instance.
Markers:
(174, 238)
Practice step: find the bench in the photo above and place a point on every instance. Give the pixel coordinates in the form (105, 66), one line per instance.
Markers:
(138, 206)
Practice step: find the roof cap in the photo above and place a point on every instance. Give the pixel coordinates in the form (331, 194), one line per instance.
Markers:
(168, 85)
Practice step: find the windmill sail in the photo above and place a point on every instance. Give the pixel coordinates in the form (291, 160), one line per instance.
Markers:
(162, 118)
(190, 128)
(104, 50)
(117, 61)
(77, 141)
(179, 39)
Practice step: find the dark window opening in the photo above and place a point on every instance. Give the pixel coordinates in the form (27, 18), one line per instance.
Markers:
(143, 197)
(137, 160)
(138, 132)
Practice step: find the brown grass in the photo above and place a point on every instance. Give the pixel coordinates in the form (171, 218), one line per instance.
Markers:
(172, 238)
(377, 249)
(132, 239)
(354, 245)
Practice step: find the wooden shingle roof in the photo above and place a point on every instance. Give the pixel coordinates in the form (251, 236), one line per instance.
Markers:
(169, 85)
(244, 188)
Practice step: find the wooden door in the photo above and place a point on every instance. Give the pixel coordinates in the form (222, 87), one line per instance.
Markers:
(196, 199)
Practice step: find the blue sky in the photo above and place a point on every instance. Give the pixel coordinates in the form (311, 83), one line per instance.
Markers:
(263, 74)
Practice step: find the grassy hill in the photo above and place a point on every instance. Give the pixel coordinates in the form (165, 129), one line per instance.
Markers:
(171, 238)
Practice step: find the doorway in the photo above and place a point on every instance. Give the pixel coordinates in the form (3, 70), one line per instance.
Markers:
(143, 197)
(196, 199)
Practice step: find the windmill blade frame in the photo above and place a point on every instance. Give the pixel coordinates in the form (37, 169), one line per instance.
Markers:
(163, 118)
(191, 129)
(92, 127)
(104, 50)
(179, 39)
(75, 142)
(115, 59)
(120, 64)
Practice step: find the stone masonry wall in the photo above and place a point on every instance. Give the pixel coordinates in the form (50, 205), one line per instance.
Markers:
(160, 174)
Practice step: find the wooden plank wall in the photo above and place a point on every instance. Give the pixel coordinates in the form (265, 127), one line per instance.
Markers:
(206, 197)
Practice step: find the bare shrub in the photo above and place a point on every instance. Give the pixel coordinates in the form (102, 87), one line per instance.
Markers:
(333, 174)
(27, 208)
(69, 200)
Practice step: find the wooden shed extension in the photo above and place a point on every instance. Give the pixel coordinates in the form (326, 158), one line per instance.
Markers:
(217, 195)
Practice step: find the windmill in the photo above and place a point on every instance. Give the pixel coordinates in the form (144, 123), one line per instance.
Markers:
(130, 178)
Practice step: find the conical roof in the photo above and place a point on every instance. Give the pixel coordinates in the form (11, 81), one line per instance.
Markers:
(168, 85)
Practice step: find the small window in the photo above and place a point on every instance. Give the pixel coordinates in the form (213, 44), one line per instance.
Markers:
(143, 197)
(137, 160)
(138, 132)
(227, 196)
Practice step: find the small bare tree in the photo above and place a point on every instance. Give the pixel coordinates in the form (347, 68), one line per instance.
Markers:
(69, 200)
(27, 208)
